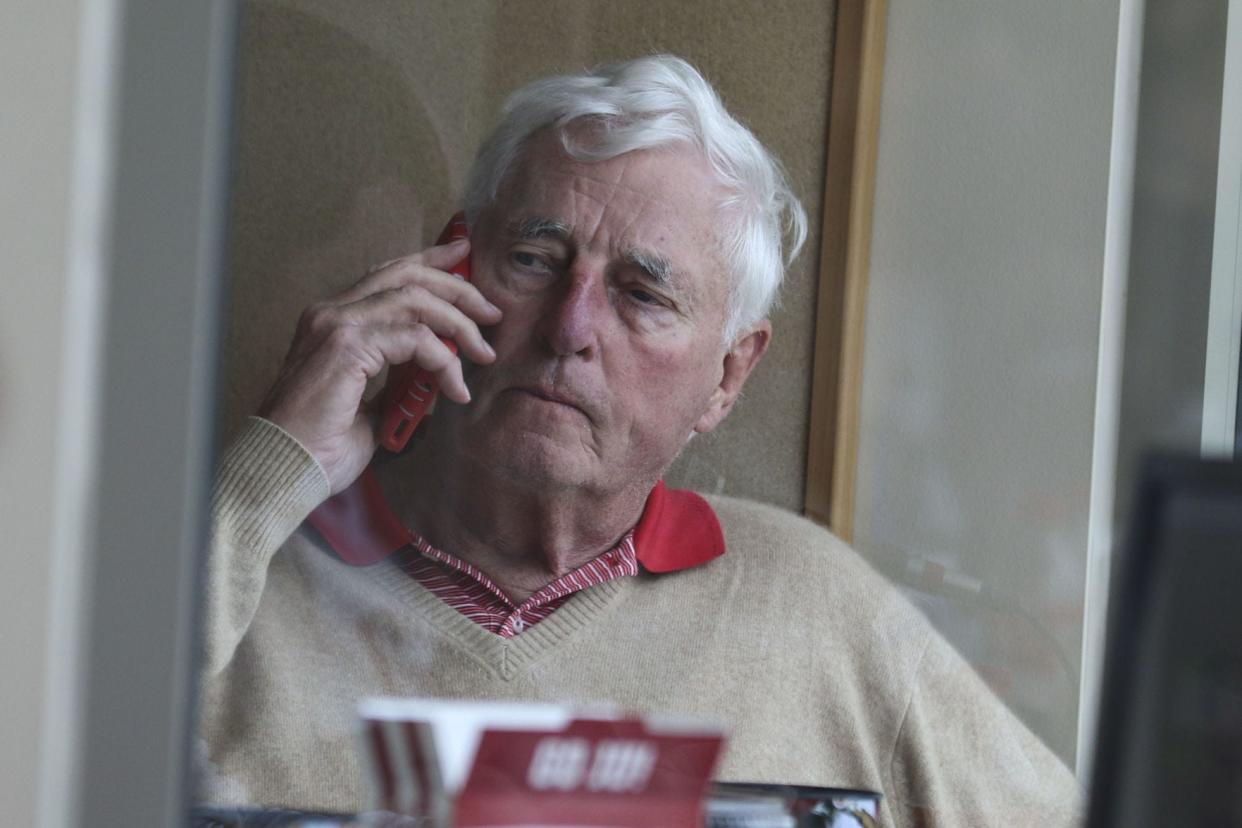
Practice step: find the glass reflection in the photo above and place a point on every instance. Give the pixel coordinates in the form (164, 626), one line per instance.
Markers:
(357, 133)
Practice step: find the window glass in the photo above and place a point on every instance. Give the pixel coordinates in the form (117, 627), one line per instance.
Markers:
(946, 634)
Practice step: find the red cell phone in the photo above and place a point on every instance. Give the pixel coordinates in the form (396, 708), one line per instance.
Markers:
(410, 389)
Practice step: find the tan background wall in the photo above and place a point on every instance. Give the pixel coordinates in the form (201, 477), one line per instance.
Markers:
(358, 123)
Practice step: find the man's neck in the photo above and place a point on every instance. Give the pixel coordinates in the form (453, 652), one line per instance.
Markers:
(522, 539)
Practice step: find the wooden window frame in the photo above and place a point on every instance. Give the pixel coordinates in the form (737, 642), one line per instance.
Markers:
(849, 189)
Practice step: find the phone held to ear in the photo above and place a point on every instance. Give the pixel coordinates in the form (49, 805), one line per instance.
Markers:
(411, 389)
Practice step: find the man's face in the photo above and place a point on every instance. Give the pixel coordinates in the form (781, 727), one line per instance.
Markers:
(610, 351)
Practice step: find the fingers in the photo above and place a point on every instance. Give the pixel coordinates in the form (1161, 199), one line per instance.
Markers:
(420, 344)
(387, 330)
(445, 256)
(424, 287)
(426, 268)
(394, 272)
(453, 290)
(413, 305)
(393, 315)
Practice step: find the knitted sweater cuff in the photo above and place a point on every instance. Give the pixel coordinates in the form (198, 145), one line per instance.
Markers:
(266, 486)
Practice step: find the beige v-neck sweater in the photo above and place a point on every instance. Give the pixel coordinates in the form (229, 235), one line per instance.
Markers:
(823, 672)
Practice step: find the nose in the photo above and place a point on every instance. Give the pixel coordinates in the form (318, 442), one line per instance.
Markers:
(571, 322)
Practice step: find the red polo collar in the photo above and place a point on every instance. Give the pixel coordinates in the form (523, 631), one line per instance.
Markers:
(677, 530)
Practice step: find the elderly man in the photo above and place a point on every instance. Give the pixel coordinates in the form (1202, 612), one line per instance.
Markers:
(626, 241)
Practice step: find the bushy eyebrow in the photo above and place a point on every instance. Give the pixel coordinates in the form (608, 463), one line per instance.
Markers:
(539, 228)
(656, 267)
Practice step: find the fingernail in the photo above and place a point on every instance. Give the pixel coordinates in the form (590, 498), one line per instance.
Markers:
(490, 349)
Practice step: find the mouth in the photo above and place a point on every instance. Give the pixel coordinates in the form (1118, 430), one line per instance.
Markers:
(551, 395)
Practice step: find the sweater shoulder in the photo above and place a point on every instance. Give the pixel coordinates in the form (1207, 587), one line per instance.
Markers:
(776, 540)
(790, 568)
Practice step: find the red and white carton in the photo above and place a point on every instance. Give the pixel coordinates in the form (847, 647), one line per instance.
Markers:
(502, 765)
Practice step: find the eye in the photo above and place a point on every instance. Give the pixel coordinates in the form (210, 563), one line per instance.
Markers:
(525, 258)
(644, 297)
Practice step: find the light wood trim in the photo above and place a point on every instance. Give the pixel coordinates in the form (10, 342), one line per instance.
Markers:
(849, 188)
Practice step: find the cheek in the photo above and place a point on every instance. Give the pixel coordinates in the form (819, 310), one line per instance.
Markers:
(673, 384)
(515, 331)
(514, 318)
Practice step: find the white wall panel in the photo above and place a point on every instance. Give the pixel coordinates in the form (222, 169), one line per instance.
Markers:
(983, 328)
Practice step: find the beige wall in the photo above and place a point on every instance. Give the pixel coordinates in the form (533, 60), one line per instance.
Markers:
(358, 123)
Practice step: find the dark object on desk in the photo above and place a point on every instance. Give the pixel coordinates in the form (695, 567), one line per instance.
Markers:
(220, 817)
(1169, 747)
(747, 805)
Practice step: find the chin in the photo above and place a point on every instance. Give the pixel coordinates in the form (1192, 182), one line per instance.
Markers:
(534, 461)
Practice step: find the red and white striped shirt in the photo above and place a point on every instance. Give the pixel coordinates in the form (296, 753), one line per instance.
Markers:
(468, 590)
(677, 530)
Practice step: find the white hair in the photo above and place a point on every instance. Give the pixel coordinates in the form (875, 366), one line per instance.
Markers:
(654, 102)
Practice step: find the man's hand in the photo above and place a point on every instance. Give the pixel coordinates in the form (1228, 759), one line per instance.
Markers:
(392, 315)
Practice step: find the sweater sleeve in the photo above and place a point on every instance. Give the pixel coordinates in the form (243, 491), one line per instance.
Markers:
(963, 758)
(266, 485)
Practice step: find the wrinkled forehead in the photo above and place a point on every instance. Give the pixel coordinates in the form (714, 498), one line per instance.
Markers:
(662, 202)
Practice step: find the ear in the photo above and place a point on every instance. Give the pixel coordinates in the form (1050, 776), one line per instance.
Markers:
(739, 361)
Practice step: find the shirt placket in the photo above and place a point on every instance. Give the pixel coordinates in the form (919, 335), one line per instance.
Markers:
(513, 619)
(514, 625)
(521, 618)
